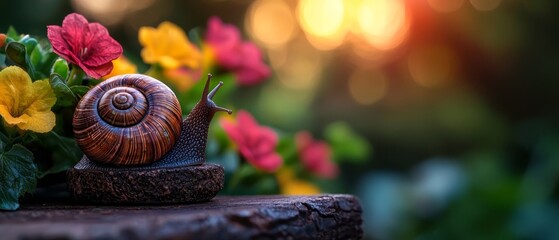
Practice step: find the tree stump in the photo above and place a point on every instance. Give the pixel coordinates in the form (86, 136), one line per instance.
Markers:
(224, 217)
(117, 185)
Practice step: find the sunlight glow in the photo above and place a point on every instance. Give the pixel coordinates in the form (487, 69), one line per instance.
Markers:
(298, 66)
(383, 23)
(110, 12)
(321, 18)
(271, 22)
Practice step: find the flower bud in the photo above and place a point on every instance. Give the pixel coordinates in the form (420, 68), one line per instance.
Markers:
(3, 38)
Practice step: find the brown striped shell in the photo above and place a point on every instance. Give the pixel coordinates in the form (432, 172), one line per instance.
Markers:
(129, 119)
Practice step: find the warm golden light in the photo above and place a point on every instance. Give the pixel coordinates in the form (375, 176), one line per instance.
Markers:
(485, 5)
(367, 87)
(383, 23)
(271, 22)
(446, 6)
(432, 65)
(326, 43)
(323, 22)
(298, 65)
(109, 12)
(322, 18)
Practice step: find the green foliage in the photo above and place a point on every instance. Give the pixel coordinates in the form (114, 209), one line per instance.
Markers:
(60, 67)
(65, 96)
(16, 53)
(17, 173)
(27, 53)
(248, 180)
(19, 170)
(346, 144)
(64, 153)
(12, 33)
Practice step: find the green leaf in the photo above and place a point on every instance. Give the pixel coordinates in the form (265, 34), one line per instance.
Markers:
(65, 96)
(12, 33)
(3, 141)
(79, 90)
(15, 51)
(18, 175)
(36, 55)
(47, 60)
(65, 153)
(287, 149)
(346, 144)
(2, 59)
(195, 36)
(29, 42)
(60, 67)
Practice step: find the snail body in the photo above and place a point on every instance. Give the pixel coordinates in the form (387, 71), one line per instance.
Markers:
(135, 120)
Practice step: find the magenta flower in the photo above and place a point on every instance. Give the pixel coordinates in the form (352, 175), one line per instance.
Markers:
(257, 144)
(87, 45)
(243, 58)
(315, 155)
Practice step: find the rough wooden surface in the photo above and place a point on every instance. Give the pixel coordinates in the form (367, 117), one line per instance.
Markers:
(248, 217)
(158, 185)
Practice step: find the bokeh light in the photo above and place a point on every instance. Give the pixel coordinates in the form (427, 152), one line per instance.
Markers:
(432, 65)
(323, 22)
(110, 12)
(298, 66)
(383, 23)
(367, 87)
(446, 6)
(271, 22)
(485, 5)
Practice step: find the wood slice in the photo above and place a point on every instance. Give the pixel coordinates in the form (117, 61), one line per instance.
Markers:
(90, 184)
(224, 217)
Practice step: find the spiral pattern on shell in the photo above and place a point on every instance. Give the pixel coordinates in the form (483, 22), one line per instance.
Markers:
(129, 119)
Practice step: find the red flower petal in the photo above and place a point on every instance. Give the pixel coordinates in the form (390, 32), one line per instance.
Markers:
(97, 71)
(59, 45)
(256, 143)
(243, 58)
(87, 45)
(101, 48)
(315, 155)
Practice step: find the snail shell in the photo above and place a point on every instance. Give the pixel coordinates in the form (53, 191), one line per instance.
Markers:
(129, 119)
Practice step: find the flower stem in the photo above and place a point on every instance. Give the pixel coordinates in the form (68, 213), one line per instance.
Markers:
(76, 76)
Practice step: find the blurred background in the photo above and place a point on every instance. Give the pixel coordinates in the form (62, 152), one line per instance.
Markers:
(458, 99)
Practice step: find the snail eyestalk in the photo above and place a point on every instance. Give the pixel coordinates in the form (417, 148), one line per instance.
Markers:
(208, 96)
(212, 93)
(190, 149)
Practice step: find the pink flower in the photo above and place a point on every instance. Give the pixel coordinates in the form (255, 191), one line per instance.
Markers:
(243, 58)
(87, 45)
(256, 143)
(315, 155)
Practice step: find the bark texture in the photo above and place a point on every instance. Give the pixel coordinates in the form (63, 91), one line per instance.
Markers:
(224, 217)
(145, 186)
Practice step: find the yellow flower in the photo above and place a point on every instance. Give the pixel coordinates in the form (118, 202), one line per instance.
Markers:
(289, 185)
(24, 103)
(168, 45)
(121, 65)
(182, 78)
(208, 57)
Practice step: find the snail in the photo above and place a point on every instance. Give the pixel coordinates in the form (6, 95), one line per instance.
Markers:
(135, 120)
